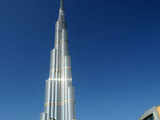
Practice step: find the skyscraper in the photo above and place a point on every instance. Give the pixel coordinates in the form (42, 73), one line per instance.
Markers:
(59, 96)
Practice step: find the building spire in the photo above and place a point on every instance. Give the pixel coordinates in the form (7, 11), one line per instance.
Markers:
(62, 4)
(61, 10)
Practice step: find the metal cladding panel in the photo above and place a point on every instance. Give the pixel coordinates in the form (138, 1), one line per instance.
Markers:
(62, 68)
(73, 103)
(68, 68)
(64, 43)
(48, 96)
(59, 91)
(42, 116)
(46, 91)
(58, 112)
(52, 98)
(66, 100)
(64, 35)
(57, 34)
(67, 61)
(70, 103)
(62, 101)
(55, 109)
(52, 64)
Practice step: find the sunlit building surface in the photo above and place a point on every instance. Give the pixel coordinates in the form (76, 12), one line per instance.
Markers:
(151, 114)
(59, 96)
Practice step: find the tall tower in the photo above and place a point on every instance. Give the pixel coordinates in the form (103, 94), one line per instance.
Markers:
(59, 96)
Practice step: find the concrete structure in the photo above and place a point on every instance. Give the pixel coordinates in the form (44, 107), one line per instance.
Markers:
(151, 114)
(59, 96)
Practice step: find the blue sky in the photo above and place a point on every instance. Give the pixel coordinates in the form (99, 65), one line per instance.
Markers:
(114, 46)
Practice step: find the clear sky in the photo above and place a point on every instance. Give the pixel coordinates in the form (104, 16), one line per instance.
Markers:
(115, 49)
